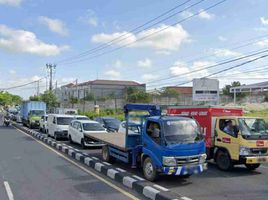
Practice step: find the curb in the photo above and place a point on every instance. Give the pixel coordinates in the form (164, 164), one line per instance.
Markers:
(148, 189)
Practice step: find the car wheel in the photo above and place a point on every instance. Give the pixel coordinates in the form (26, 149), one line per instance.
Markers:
(70, 139)
(149, 171)
(252, 166)
(223, 160)
(83, 144)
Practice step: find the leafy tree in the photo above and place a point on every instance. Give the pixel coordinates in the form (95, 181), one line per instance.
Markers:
(50, 99)
(169, 93)
(89, 97)
(135, 95)
(9, 99)
(35, 98)
(226, 90)
(73, 100)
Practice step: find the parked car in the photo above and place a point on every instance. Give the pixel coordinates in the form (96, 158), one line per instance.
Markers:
(81, 117)
(43, 124)
(133, 128)
(78, 130)
(57, 125)
(110, 123)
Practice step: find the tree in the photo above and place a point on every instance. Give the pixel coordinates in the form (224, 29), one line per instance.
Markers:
(35, 98)
(135, 95)
(89, 97)
(50, 99)
(9, 99)
(226, 90)
(169, 93)
(73, 100)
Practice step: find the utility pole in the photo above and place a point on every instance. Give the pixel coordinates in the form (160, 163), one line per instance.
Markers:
(50, 68)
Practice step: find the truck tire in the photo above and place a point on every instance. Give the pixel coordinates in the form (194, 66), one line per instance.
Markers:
(106, 155)
(223, 160)
(252, 166)
(55, 137)
(149, 171)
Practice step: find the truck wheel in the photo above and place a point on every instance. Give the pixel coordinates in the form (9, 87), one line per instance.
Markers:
(223, 161)
(83, 144)
(149, 171)
(252, 166)
(106, 155)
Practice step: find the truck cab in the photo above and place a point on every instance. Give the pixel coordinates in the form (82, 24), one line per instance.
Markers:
(246, 143)
(231, 138)
(172, 146)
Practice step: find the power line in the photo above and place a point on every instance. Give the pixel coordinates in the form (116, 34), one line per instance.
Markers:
(125, 34)
(149, 35)
(22, 85)
(224, 70)
(209, 67)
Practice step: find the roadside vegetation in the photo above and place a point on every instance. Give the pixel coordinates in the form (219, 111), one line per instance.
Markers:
(262, 113)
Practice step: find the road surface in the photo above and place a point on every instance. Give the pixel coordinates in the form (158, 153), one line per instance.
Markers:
(31, 171)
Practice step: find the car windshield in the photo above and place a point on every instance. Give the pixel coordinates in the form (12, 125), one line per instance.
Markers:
(252, 127)
(112, 122)
(93, 127)
(37, 113)
(82, 118)
(64, 120)
(182, 131)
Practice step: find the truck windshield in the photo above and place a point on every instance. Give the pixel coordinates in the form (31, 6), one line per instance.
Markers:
(253, 128)
(182, 131)
(93, 127)
(64, 120)
(37, 113)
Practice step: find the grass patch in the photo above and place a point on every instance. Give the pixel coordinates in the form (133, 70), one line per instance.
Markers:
(262, 114)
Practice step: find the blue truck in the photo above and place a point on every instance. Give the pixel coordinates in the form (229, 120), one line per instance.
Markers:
(31, 113)
(167, 145)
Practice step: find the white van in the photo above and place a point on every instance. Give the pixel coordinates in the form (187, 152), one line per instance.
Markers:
(57, 125)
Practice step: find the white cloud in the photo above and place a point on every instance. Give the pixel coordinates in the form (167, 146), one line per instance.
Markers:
(112, 74)
(20, 41)
(264, 20)
(180, 68)
(225, 53)
(221, 38)
(118, 64)
(146, 63)
(263, 43)
(89, 18)
(11, 2)
(54, 25)
(149, 77)
(186, 14)
(170, 39)
(202, 14)
(205, 15)
(12, 72)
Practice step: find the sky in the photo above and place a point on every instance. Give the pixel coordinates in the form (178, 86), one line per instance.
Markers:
(77, 35)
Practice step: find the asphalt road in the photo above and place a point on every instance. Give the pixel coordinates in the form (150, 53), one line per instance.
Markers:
(33, 172)
(212, 184)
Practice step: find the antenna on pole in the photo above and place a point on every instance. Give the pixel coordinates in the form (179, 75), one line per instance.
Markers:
(50, 68)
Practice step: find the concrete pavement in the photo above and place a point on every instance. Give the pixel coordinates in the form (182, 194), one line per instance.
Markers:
(34, 172)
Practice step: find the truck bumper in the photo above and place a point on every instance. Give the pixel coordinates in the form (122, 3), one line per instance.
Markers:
(185, 170)
(256, 159)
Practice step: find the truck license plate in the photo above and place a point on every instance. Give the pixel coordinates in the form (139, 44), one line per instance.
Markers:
(261, 160)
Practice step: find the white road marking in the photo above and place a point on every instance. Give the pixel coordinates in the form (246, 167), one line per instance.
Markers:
(84, 169)
(8, 190)
(265, 167)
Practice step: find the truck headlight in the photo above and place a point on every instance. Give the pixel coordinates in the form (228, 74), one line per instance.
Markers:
(169, 161)
(202, 158)
(244, 151)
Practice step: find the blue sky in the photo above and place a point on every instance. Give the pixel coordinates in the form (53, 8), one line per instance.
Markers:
(36, 32)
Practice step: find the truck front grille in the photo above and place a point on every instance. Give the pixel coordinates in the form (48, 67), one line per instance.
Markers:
(187, 160)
